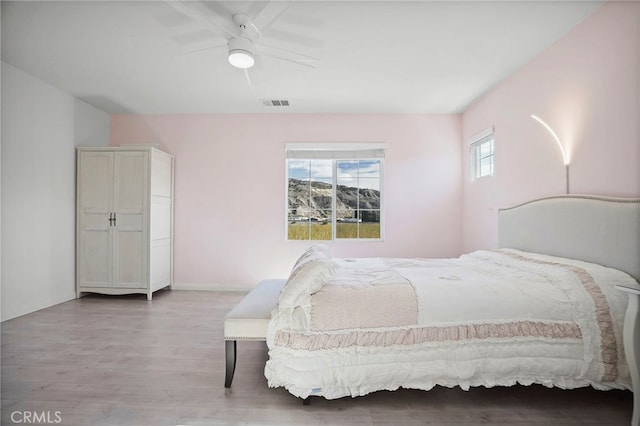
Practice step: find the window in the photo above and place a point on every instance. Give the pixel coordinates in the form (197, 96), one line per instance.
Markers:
(334, 191)
(482, 154)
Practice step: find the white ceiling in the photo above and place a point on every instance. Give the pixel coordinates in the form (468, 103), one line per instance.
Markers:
(372, 56)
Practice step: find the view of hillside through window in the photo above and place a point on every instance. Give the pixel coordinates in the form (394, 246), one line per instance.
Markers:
(333, 199)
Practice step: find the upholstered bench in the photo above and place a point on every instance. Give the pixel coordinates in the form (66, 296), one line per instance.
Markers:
(249, 319)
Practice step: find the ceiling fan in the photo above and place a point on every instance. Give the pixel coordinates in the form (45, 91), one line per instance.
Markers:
(243, 34)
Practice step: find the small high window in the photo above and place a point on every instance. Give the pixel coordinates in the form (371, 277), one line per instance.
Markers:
(481, 154)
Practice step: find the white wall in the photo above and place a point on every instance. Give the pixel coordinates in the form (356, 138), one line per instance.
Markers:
(41, 126)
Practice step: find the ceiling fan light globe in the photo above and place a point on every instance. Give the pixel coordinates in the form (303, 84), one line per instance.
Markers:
(241, 52)
(241, 59)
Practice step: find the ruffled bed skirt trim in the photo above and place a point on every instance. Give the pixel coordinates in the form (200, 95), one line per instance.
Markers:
(416, 336)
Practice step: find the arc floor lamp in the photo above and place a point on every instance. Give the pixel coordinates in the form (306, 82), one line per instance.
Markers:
(565, 156)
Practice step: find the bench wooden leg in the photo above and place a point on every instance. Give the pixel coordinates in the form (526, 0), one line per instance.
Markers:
(230, 355)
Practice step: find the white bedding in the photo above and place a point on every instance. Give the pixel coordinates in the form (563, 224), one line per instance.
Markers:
(489, 318)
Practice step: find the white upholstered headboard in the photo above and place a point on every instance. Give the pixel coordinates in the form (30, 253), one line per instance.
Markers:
(595, 229)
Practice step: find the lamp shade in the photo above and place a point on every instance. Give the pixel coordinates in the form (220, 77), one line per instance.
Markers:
(241, 52)
(565, 157)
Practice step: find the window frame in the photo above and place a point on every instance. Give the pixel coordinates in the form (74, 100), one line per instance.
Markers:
(336, 152)
(475, 158)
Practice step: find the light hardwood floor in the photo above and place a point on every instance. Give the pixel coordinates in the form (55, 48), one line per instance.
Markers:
(121, 360)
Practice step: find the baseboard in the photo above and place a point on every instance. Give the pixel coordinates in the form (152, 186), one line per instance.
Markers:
(210, 287)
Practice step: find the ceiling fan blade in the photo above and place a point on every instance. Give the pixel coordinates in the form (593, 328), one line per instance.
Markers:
(278, 36)
(203, 50)
(246, 74)
(188, 9)
(287, 55)
(294, 61)
(268, 15)
(222, 10)
(198, 36)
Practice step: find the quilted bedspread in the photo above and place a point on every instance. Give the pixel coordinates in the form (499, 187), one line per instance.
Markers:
(348, 327)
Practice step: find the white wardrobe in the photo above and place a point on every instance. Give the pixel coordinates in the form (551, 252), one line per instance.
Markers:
(124, 220)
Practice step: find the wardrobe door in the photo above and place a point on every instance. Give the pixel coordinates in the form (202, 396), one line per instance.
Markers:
(161, 224)
(95, 198)
(130, 230)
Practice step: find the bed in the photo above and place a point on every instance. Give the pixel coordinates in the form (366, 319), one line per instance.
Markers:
(556, 304)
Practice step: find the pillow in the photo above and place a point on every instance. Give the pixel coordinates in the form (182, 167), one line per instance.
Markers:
(312, 254)
(305, 280)
(318, 259)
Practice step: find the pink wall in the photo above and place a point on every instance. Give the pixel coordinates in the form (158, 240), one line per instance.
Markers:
(586, 86)
(230, 187)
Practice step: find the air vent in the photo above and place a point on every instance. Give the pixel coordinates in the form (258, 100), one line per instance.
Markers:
(275, 102)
